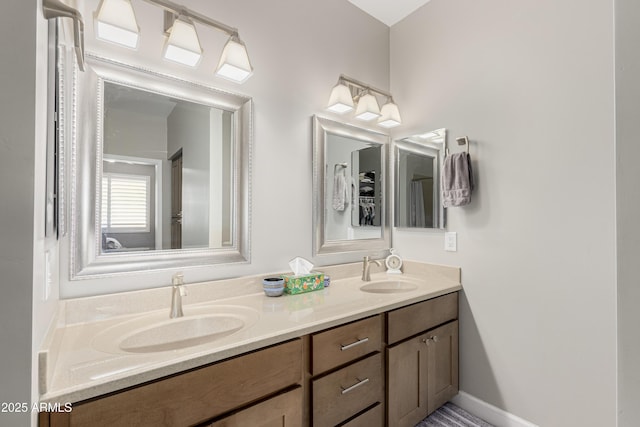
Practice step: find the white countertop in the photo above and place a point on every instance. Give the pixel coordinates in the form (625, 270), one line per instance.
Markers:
(72, 369)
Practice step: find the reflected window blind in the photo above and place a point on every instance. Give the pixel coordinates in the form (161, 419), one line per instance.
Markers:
(125, 203)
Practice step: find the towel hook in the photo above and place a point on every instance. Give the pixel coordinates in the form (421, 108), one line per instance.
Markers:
(462, 141)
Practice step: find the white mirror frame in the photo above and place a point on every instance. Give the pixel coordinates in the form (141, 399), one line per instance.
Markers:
(85, 168)
(321, 246)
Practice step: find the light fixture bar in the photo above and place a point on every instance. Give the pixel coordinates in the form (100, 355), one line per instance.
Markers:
(364, 86)
(177, 9)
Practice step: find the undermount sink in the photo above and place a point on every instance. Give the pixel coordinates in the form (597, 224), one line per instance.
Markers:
(157, 332)
(389, 287)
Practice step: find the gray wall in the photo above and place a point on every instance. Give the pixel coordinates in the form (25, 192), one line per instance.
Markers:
(532, 84)
(628, 209)
(22, 143)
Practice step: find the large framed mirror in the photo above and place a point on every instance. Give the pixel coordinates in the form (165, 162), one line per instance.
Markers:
(418, 160)
(350, 211)
(160, 173)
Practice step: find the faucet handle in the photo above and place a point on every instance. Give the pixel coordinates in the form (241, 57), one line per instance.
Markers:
(177, 279)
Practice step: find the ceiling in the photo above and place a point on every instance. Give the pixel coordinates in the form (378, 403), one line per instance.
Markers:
(389, 11)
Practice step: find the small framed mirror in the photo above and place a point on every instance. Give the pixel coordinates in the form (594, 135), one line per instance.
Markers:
(160, 172)
(418, 161)
(350, 191)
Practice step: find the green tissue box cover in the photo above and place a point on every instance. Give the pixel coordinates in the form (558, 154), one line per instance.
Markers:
(304, 283)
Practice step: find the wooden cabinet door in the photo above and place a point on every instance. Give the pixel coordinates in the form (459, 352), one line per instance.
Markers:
(422, 375)
(284, 410)
(442, 365)
(407, 377)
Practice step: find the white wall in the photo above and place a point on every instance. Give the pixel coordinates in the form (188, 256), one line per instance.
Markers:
(298, 50)
(531, 83)
(628, 209)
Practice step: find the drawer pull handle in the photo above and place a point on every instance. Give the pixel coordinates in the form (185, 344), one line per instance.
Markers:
(356, 385)
(353, 344)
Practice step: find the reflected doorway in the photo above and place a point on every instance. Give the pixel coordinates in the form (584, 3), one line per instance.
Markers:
(176, 201)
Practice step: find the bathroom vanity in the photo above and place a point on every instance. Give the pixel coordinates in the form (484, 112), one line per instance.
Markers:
(357, 353)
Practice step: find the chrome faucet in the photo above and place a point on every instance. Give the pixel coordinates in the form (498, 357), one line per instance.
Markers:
(366, 265)
(177, 292)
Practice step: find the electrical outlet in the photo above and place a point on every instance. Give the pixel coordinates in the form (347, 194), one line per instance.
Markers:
(450, 241)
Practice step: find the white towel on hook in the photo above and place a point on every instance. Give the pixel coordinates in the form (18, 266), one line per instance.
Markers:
(339, 190)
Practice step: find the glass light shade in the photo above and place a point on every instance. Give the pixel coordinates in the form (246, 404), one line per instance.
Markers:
(116, 22)
(367, 108)
(183, 45)
(340, 100)
(234, 62)
(389, 115)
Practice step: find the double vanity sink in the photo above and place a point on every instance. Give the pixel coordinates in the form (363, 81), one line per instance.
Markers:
(156, 332)
(107, 343)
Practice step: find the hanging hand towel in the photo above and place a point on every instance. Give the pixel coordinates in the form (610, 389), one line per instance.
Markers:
(457, 180)
(339, 190)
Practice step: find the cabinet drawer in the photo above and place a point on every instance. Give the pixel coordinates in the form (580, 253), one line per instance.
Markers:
(344, 393)
(196, 396)
(408, 321)
(284, 410)
(343, 344)
(371, 418)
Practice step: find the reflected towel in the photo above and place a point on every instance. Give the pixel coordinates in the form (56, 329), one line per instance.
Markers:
(457, 180)
(339, 190)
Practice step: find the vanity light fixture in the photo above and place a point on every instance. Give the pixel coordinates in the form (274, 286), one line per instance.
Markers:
(389, 115)
(341, 99)
(368, 108)
(349, 92)
(234, 62)
(115, 22)
(183, 45)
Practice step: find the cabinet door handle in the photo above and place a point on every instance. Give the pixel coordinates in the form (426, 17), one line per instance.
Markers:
(353, 344)
(356, 385)
(435, 338)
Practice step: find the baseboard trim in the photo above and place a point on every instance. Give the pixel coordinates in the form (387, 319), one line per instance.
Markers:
(488, 412)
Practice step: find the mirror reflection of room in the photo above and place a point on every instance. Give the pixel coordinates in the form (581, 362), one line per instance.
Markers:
(418, 161)
(352, 188)
(167, 173)
(417, 196)
(366, 166)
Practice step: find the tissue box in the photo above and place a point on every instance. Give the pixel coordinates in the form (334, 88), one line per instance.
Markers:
(304, 283)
